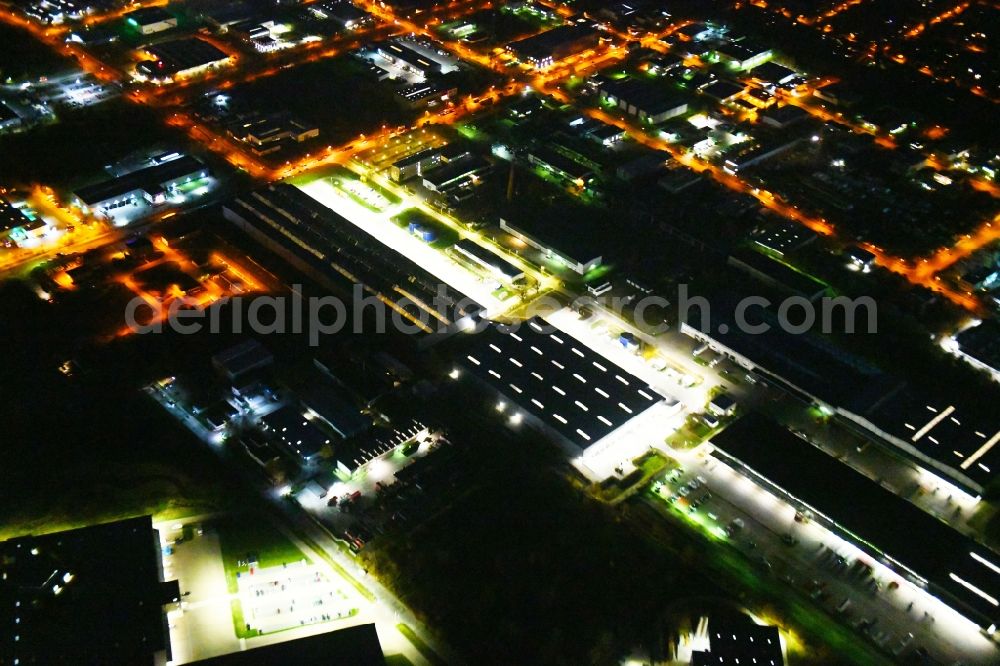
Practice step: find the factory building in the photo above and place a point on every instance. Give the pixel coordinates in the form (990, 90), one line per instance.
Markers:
(949, 565)
(426, 93)
(946, 440)
(180, 57)
(489, 262)
(559, 240)
(776, 274)
(740, 642)
(547, 48)
(979, 346)
(344, 14)
(336, 253)
(358, 646)
(296, 433)
(413, 165)
(755, 153)
(455, 174)
(567, 390)
(548, 158)
(151, 20)
(645, 100)
(780, 117)
(153, 184)
(9, 119)
(744, 55)
(93, 595)
(17, 224)
(267, 133)
(408, 58)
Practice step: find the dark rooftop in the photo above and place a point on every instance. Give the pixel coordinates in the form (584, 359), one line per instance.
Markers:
(776, 272)
(178, 55)
(559, 162)
(330, 404)
(722, 90)
(772, 72)
(552, 42)
(11, 217)
(550, 375)
(243, 358)
(649, 96)
(803, 363)
(937, 429)
(148, 180)
(353, 646)
(982, 343)
(882, 522)
(86, 596)
(740, 642)
(785, 115)
(295, 431)
(784, 236)
(575, 237)
(147, 15)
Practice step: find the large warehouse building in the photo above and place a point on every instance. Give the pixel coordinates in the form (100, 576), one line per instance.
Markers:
(945, 439)
(569, 391)
(646, 100)
(551, 46)
(93, 595)
(951, 566)
(337, 255)
(559, 239)
(181, 57)
(152, 184)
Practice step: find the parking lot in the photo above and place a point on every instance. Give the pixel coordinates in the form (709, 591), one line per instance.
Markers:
(293, 595)
(884, 608)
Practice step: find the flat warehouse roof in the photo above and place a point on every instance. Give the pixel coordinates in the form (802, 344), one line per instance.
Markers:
(784, 275)
(947, 433)
(575, 237)
(358, 645)
(951, 438)
(11, 217)
(148, 179)
(876, 517)
(338, 250)
(546, 43)
(186, 53)
(6, 113)
(644, 95)
(489, 259)
(982, 342)
(550, 375)
(85, 596)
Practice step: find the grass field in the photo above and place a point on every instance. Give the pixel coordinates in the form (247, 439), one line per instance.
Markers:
(418, 643)
(244, 538)
(445, 236)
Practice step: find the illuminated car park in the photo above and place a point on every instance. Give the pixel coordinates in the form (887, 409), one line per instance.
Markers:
(947, 564)
(296, 594)
(566, 387)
